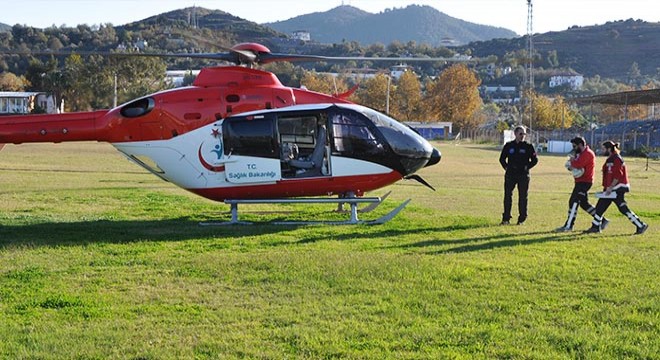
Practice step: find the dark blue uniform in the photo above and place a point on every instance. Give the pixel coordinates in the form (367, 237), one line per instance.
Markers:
(517, 158)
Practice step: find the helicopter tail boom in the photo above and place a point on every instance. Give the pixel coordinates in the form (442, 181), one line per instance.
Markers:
(80, 126)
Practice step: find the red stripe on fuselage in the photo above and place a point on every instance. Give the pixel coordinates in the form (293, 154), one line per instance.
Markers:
(319, 186)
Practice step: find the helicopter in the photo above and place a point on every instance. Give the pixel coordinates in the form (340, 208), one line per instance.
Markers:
(237, 133)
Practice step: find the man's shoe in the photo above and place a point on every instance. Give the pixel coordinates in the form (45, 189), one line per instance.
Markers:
(505, 222)
(521, 222)
(592, 230)
(604, 224)
(563, 229)
(641, 230)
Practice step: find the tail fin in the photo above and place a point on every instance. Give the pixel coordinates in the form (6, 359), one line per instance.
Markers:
(347, 94)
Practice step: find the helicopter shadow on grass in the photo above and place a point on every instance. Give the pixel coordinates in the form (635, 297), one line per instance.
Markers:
(73, 171)
(124, 231)
(384, 233)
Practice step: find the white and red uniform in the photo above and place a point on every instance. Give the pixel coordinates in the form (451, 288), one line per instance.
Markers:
(585, 160)
(615, 168)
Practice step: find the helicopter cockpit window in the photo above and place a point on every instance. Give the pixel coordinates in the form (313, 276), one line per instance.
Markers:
(352, 135)
(138, 107)
(250, 136)
(298, 130)
(403, 140)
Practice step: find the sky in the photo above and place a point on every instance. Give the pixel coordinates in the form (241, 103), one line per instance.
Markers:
(548, 15)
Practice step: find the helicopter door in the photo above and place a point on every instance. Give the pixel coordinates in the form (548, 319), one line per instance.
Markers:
(304, 145)
(251, 149)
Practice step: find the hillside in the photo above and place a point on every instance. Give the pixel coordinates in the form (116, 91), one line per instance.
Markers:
(4, 27)
(352, 24)
(235, 29)
(607, 50)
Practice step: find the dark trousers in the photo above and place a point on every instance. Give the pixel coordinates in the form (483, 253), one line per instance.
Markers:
(621, 204)
(579, 197)
(510, 182)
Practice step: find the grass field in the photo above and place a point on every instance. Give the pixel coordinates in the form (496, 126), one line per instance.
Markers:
(100, 260)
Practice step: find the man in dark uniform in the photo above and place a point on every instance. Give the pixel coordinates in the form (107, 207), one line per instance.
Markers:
(517, 158)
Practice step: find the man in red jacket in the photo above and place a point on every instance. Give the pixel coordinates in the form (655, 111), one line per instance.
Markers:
(581, 164)
(615, 181)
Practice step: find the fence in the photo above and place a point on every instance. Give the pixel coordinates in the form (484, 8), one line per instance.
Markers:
(632, 135)
(480, 136)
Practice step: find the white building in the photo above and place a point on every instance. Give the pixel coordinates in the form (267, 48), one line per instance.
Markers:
(501, 94)
(574, 81)
(176, 77)
(22, 102)
(301, 35)
(397, 71)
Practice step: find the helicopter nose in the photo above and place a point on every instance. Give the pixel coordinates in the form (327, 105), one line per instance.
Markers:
(435, 157)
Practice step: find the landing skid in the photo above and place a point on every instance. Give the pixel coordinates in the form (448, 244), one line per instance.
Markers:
(351, 200)
(369, 208)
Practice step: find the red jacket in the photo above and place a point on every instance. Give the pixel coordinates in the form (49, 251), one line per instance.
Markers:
(615, 168)
(585, 160)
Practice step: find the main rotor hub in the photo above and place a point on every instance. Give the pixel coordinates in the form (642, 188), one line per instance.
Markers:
(253, 47)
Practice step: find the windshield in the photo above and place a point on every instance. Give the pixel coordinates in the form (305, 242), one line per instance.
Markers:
(403, 140)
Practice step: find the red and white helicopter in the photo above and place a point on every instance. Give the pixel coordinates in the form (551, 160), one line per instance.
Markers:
(238, 135)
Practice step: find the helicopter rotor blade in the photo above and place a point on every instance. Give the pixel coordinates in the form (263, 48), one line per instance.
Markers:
(242, 54)
(211, 56)
(273, 57)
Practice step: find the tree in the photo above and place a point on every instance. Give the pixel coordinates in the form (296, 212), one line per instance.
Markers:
(373, 92)
(454, 96)
(288, 74)
(553, 59)
(634, 75)
(550, 114)
(406, 98)
(11, 82)
(54, 44)
(323, 83)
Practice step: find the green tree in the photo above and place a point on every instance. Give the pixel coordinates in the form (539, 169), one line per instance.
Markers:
(634, 75)
(553, 59)
(288, 74)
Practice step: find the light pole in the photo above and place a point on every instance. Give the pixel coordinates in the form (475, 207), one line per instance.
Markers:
(387, 97)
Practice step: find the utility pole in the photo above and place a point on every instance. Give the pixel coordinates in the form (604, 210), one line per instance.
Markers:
(530, 67)
(114, 101)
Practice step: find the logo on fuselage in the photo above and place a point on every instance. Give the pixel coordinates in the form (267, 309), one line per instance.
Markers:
(211, 152)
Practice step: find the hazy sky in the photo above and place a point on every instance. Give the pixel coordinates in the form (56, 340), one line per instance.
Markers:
(548, 15)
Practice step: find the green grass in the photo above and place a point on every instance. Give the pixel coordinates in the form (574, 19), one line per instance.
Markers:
(100, 260)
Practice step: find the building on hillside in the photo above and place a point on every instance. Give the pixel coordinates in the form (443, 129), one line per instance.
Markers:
(448, 41)
(22, 102)
(302, 35)
(500, 94)
(140, 45)
(574, 81)
(397, 71)
(176, 77)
